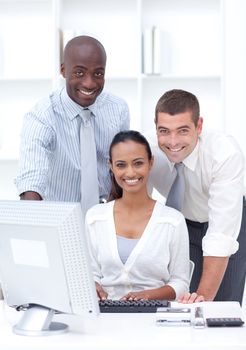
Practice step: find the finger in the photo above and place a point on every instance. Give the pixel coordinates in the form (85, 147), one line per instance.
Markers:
(102, 294)
(192, 298)
(184, 298)
(126, 297)
(200, 298)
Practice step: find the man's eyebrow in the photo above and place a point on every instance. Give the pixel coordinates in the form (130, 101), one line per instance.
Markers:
(79, 66)
(180, 127)
(184, 127)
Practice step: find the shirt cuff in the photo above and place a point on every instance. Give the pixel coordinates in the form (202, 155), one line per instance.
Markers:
(218, 244)
(180, 288)
(22, 189)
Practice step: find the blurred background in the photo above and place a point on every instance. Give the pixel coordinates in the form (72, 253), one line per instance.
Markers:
(152, 46)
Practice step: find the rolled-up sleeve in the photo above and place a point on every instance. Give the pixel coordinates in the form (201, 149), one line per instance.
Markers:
(225, 205)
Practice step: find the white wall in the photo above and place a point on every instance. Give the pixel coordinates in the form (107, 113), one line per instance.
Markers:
(235, 70)
(8, 171)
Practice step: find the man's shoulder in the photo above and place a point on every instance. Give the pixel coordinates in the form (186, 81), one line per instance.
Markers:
(214, 142)
(45, 106)
(108, 98)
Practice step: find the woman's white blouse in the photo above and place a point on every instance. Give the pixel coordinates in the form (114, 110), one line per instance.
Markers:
(160, 257)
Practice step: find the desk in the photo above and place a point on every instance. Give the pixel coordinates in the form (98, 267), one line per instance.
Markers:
(125, 332)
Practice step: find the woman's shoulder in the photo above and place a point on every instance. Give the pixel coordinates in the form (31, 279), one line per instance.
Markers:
(165, 214)
(99, 212)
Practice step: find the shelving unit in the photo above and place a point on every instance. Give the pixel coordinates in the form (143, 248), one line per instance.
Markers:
(31, 56)
(185, 63)
(26, 65)
(192, 45)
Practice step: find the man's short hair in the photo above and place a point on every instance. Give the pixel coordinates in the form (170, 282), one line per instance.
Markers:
(178, 101)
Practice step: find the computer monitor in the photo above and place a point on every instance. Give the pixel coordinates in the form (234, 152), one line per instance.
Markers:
(44, 264)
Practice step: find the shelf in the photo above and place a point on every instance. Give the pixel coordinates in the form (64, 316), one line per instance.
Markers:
(24, 1)
(26, 41)
(34, 80)
(189, 55)
(114, 23)
(8, 156)
(181, 77)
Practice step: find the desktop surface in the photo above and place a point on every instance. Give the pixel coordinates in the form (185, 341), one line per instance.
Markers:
(126, 331)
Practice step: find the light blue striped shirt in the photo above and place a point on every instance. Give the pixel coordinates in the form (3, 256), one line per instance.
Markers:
(50, 146)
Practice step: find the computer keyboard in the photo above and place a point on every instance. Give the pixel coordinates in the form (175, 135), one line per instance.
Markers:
(120, 306)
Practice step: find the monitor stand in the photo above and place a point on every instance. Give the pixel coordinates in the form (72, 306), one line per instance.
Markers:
(36, 321)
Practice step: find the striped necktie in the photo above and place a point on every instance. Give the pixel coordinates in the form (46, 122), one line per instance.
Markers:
(175, 197)
(89, 178)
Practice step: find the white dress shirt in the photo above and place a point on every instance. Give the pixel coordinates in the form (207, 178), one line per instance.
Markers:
(160, 257)
(213, 188)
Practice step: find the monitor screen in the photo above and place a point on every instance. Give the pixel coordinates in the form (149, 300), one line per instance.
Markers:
(44, 263)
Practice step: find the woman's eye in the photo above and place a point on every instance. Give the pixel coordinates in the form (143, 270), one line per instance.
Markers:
(120, 165)
(139, 163)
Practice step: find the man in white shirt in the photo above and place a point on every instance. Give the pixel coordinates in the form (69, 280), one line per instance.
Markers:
(213, 195)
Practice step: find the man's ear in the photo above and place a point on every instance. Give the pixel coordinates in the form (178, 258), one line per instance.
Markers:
(199, 125)
(62, 70)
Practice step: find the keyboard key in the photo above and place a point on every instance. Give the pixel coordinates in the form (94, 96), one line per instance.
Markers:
(128, 306)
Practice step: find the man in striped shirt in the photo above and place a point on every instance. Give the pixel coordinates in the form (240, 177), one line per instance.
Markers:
(50, 155)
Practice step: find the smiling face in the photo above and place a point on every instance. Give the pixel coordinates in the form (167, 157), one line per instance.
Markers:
(177, 134)
(130, 165)
(84, 70)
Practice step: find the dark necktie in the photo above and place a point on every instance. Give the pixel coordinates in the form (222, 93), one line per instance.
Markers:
(175, 197)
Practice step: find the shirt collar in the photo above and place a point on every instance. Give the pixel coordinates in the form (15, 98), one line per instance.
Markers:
(75, 108)
(190, 161)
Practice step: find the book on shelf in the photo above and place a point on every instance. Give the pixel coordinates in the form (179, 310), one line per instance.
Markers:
(148, 51)
(156, 51)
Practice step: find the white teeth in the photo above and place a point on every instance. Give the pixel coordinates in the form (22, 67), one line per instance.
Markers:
(175, 149)
(88, 93)
(131, 181)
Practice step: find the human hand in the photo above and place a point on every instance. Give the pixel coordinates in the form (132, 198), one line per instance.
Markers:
(190, 298)
(136, 296)
(102, 295)
(30, 195)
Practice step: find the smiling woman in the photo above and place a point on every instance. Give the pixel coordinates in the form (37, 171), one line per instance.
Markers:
(129, 155)
(138, 247)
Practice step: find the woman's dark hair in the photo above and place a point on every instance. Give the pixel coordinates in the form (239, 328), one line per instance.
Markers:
(123, 136)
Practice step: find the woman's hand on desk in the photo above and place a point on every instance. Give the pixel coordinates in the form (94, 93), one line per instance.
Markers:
(164, 292)
(190, 298)
(102, 295)
(136, 296)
